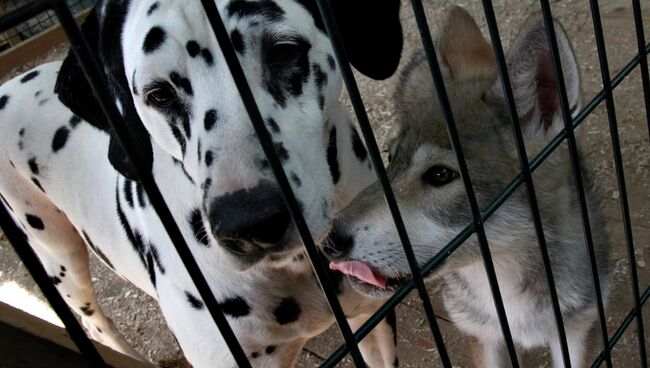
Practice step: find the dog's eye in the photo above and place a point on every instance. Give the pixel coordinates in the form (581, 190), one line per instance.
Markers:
(285, 52)
(161, 96)
(439, 175)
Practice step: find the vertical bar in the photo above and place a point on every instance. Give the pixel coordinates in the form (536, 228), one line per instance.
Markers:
(443, 99)
(618, 162)
(375, 156)
(91, 70)
(575, 165)
(526, 174)
(266, 142)
(645, 74)
(30, 260)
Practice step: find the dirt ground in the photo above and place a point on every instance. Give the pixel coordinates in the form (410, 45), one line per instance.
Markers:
(139, 318)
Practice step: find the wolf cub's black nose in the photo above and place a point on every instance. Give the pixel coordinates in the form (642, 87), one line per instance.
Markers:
(256, 215)
(337, 243)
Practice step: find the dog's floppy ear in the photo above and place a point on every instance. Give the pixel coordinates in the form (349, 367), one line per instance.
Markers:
(531, 72)
(463, 49)
(103, 35)
(371, 32)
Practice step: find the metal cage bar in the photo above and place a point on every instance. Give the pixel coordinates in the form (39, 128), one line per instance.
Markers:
(266, 142)
(576, 168)
(93, 74)
(375, 156)
(18, 240)
(620, 176)
(645, 74)
(526, 174)
(439, 84)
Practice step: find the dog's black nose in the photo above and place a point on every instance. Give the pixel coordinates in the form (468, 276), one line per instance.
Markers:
(256, 215)
(337, 243)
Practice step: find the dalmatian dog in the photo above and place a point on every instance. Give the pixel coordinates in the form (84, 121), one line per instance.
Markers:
(66, 180)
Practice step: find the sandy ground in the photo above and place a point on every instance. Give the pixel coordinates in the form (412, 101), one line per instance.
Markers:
(139, 318)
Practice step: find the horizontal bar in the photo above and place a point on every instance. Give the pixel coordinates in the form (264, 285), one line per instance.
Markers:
(290, 200)
(39, 274)
(94, 75)
(22, 14)
(616, 336)
(441, 256)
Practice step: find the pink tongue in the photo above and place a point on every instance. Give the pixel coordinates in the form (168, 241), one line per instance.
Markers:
(361, 271)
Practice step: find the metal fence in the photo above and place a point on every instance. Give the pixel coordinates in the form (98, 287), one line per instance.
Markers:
(34, 25)
(94, 76)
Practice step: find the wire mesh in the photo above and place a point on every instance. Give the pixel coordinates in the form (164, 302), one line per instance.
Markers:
(62, 10)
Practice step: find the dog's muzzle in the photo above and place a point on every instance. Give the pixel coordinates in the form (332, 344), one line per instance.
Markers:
(250, 221)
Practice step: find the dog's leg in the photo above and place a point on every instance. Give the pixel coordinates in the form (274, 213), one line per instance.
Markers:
(379, 347)
(493, 353)
(64, 256)
(577, 341)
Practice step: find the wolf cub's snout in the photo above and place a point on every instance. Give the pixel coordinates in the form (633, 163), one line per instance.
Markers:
(424, 175)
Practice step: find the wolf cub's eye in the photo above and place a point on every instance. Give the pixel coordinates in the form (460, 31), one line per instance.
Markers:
(162, 96)
(439, 175)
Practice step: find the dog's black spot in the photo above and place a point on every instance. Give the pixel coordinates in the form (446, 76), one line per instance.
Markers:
(296, 179)
(357, 146)
(153, 250)
(62, 274)
(209, 156)
(255, 354)
(33, 165)
(284, 75)
(331, 62)
(29, 76)
(198, 151)
(319, 76)
(196, 222)
(63, 268)
(207, 56)
(37, 93)
(35, 222)
(3, 101)
(55, 280)
(98, 252)
(275, 128)
(210, 119)
(153, 259)
(128, 192)
(269, 349)
(266, 9)
(206, 184)
(193, 48)
(154, 39)
(195, 302)
(134, 238)
(134, 87)
(238, 41)
(60, 138)
(153, 8)
(21, 132)
(74, 121)
(287, 311)
(87, 310)
(178, 136)
(321, 101)
(332, 157)
(181, 82)
(43, 101)
(139, 190)
(38, 184)
(281, 151)
(235, 307)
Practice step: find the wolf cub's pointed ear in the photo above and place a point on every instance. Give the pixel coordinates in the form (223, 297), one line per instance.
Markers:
(462, 48)
(533, 79)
